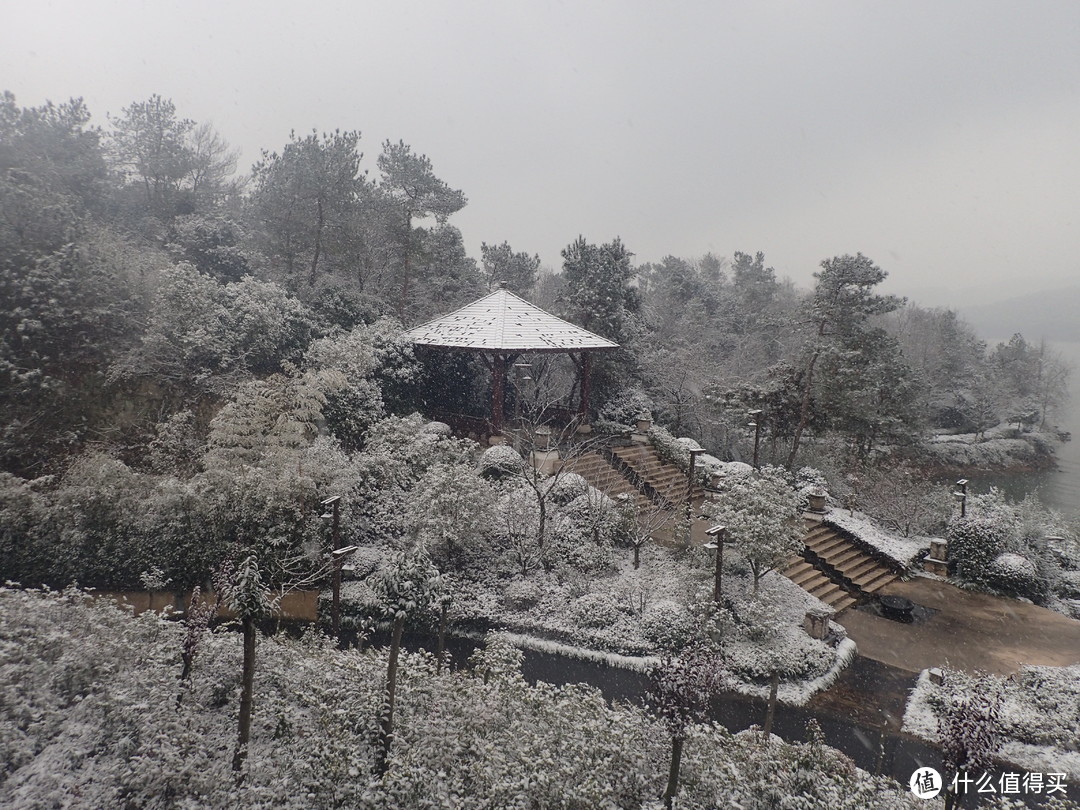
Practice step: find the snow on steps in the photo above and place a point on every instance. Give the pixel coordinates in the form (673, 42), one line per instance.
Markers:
(595, 469)
(666, 478)
(836, 570)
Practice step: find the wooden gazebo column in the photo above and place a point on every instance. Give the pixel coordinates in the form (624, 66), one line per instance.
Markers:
(498, 389)
(586, 385)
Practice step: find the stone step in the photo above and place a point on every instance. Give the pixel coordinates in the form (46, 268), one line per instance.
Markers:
(870, 575)
(818, 532)
(824, 546)
(843, 603)
(846, 558)
(880, 582)
(861, 567)
(804, 577)
(814, 579)
(796, 567)
(827, 591)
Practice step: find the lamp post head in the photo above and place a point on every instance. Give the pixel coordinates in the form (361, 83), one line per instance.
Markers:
(963, 482)
(331, 500)
(717, 532)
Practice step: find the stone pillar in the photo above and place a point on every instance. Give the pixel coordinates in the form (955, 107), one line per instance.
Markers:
(640, 434)
(938, 561)
(816, 622)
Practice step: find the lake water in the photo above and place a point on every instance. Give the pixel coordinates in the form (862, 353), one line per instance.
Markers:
(1060, 488)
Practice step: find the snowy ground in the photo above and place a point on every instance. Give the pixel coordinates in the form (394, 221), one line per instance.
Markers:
(1000, 448)
(1040, 716)
(630, 618)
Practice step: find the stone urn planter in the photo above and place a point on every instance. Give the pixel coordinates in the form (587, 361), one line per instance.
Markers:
(816, 497)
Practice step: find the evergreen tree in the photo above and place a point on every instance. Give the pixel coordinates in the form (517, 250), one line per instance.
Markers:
(838, 310)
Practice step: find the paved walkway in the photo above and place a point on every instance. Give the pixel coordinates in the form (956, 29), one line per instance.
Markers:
(968, 631)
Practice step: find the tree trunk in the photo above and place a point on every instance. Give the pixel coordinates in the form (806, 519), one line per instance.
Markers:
(320, 219)
(440, 650)
(247, 687)
(383, 752)
(637, 556)
(673, 771)
(406, 267)
(541, 523)
(774, 685)
(804, 408)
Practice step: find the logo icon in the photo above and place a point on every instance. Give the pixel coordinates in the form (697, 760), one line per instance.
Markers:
(925, 783)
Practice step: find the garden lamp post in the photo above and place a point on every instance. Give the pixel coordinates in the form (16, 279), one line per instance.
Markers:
(694, 453)
(333, 503)
(719, 537)
(755, 415)
(961, 496)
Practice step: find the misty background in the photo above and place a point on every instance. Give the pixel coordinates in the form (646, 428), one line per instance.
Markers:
(936, 138)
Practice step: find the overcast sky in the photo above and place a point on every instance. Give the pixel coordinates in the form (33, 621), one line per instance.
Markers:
(941, 138)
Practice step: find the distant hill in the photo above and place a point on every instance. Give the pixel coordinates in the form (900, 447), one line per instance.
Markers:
(1050, 314)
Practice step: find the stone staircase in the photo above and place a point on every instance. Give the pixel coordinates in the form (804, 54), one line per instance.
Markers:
(599, 472)
(836, 570)
(665, 479)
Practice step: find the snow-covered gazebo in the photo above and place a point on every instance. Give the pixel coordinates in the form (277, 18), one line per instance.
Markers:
(501, 326)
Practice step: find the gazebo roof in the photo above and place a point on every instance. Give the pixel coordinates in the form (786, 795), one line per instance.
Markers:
(503, 322)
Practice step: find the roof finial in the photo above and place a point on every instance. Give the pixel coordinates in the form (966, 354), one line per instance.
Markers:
(502, 284)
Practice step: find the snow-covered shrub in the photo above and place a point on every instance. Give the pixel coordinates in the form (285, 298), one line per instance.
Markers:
(569, 551)
(594, 514)
(789, 651)
(667, 625)
(759, 619)
(807, 477)
(1068, 584)
(1042, 706)
(596, 610)
(451, 508)
(522, 594)
(669, 448)
(977, 539)
(627, 406)
(500, 461)
(497, 660)
(1016, 576)
(1038, 719)
(566, 488)
(88, 709)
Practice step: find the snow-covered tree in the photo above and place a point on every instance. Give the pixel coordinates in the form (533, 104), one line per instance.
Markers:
(409, 585)
(761, 513)
(452, 509)
(679, 693)
(842, 302)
